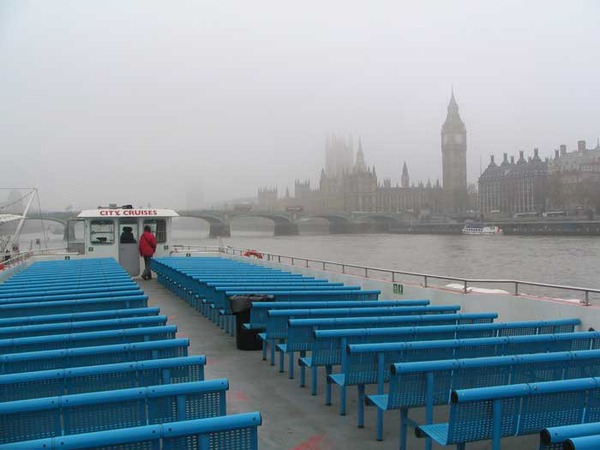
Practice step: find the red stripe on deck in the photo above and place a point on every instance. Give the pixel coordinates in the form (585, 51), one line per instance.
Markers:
(313, 443)
(239, 396)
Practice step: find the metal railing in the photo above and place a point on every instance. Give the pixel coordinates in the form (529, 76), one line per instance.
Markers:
(468, 284)
(394, 275)
(13, 259)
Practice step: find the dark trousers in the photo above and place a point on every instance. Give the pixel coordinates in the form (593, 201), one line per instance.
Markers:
(146, 273)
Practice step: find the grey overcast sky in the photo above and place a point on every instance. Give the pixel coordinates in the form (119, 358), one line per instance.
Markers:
(178, 102)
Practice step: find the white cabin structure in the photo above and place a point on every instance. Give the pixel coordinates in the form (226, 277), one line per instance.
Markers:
(115, 232)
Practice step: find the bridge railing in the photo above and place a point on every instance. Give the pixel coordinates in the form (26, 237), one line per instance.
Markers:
(466, 285)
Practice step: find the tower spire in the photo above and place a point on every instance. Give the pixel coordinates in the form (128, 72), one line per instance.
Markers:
(360, 165)
(404, 179)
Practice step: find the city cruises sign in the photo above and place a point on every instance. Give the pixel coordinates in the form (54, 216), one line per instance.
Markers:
(124, 212)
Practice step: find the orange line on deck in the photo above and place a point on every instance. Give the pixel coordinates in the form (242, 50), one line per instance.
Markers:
(313, 443)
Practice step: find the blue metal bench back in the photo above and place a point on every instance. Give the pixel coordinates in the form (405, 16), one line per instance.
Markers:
(409, 381)
(74, 340)
(364, 363)
(72, 306)
(523, 408)
(62, 297)
(76, 380)
(329, 345)
(234, 432)
(78, 317)
(300, 335)
(554, 438)
(92, 356)
(258, 312)
(277, 320)
(81, 326)
(81, 413)
(48, 293)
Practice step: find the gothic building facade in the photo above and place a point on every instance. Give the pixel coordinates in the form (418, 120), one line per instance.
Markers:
(569, 182)
(513, 187)
(348, 184)
(358, 189)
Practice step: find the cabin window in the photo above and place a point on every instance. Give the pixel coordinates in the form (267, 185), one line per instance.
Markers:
(158, 228)
(128, 231)
(102, 232)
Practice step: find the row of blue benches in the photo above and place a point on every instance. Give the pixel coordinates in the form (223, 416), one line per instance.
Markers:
(67, 377)
(208, 283)
(435, 357)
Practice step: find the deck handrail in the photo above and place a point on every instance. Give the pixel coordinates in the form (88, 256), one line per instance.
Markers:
(368, 270)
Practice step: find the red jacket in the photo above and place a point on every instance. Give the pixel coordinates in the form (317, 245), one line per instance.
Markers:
(147, 244)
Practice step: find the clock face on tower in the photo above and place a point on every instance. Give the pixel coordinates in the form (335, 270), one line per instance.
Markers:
(458, 138)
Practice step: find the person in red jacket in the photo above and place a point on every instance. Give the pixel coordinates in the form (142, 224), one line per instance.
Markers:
(147, 246)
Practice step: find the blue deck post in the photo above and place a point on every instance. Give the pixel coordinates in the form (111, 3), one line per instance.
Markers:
(403, 428)
(272, 342)
(497, 424)
(291, 365)
(264, 350)
(328, 371)
(429, 401)
(328, 386)
(281, 361)
(361, 406)
(380, 382)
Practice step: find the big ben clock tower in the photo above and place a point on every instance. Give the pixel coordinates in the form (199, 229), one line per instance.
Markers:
(454, 160)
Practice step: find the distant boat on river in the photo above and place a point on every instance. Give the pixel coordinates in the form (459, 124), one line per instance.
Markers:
(480, 229)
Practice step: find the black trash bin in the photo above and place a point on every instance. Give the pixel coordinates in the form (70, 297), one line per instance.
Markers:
(240, 306)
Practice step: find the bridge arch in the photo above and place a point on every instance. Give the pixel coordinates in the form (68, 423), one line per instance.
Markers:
(282, 224)
(218, 227)
(376, 222)
(337, 224)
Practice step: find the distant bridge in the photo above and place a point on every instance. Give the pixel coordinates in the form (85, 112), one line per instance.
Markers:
(285, 223)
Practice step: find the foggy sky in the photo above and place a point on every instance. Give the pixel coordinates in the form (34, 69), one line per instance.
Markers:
(172, 102)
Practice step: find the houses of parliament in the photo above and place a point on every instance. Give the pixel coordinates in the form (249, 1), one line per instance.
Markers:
(348, 184)
(569, 182)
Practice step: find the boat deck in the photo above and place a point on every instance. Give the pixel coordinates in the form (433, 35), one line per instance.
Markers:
(292, 418)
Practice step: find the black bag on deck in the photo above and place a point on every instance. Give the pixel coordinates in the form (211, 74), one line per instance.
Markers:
(240, 306)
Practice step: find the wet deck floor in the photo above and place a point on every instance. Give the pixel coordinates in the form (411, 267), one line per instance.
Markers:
(292, 418)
